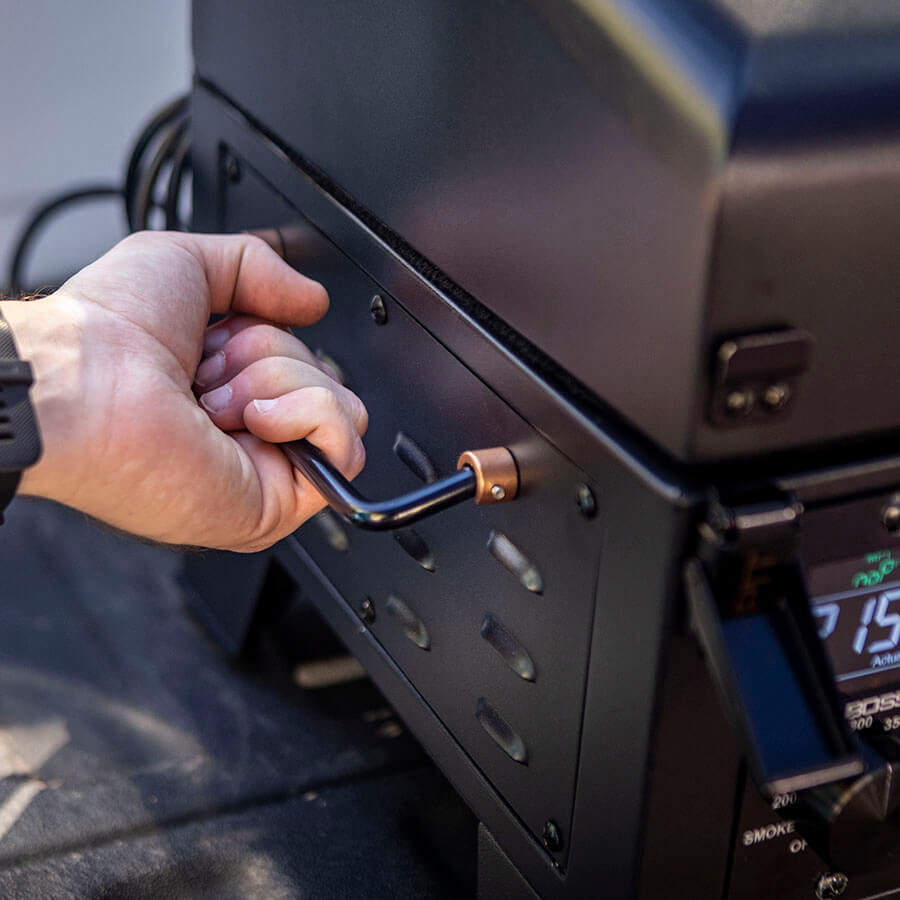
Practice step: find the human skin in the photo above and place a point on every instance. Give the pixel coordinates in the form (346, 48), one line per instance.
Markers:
(132, 439)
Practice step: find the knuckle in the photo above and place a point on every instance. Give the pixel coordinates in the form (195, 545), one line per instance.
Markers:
(254, 341)
(272, 368)
(137, 239)
(256, 244)
(255, 377)
(357, 458)
(148, 238)
(359, 413)
(323, 397)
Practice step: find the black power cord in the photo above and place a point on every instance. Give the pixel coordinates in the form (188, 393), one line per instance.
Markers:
(172, 112)
(167, 137)
(145, 195)
(181, 165)
(41, 216)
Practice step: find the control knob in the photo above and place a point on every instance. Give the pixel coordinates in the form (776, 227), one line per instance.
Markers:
(855, 823)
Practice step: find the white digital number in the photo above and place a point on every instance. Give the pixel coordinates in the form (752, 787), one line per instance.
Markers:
(886, 620)
(829, 612)
(877, 607)
(859, 639)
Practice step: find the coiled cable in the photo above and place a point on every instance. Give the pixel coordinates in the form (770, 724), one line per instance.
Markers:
(158, 166)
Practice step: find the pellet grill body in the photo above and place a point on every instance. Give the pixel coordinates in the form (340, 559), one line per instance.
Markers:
(650, 248)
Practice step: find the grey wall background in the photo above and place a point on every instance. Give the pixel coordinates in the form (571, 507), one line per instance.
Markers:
(79, 80)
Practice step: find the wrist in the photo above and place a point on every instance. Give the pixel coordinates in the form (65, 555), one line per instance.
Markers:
(45, 338)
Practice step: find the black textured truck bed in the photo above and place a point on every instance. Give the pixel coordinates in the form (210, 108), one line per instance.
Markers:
(137, 761)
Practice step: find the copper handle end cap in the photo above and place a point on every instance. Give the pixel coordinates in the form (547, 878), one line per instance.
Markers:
(496, 473)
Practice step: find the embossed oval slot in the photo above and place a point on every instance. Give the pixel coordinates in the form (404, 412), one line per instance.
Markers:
(413, 627)
(332, 530)
(414, 458)
(501, 731)
(325, 357)
(509, 648)
(416, 547)
(515, 561)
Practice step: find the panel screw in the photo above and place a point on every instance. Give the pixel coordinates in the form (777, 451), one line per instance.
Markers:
(367, 611)
(890, 518)
(776, 396)
(551, 837)
(584, 499)
(378, 310)
(739, 403)
(232, 169)
(831, 885)
(497, 491)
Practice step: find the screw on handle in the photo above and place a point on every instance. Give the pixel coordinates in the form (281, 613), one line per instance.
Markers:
(488, 476)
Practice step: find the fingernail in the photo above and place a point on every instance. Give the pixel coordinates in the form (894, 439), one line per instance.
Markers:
(210, 369)
(264, 405)
(215, 401)
(215, 340)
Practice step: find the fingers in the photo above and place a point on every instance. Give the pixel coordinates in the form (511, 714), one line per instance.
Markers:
(287, 499)
(268, 378)
(246, 275)
(216, 336)
(253, 341)
(314, 413)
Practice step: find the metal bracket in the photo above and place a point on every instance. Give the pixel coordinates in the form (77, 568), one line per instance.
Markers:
(757, 376)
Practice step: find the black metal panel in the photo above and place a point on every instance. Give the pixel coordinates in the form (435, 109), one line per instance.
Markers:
(549, 411)
(497, 876)
(636, 610)
(578, 213)
(562, 165)
(806, 239)
(222, 588)
(411, 384)
(413, 381)
(691, 800)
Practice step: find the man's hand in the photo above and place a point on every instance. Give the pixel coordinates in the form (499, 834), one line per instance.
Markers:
(115, 352)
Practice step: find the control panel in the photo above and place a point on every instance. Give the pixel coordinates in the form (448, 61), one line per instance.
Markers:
(840, 839)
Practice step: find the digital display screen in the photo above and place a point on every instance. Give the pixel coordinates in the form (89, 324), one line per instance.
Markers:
(856, 605)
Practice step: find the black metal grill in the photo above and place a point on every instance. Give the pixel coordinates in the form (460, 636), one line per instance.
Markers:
(563, 229)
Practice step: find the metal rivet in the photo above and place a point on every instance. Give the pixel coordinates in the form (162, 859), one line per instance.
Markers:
(367, 610)
(497, 491)
(378, 310)
(586, 502)
(739, 403)
(831, 885)
(890, 518)
(551, 837)
(232, 169)
(776, 396)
